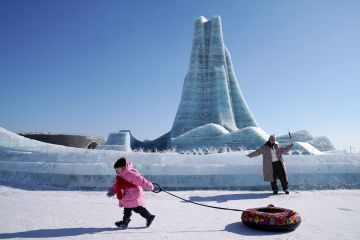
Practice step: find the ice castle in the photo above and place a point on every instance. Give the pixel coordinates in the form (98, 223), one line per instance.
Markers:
(212, 112)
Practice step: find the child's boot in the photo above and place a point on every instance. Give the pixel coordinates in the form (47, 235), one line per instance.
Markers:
(145, 214)
(149, 220)
(123, 224)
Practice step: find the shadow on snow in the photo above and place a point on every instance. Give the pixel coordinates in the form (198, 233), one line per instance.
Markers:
(241, 229)
(48, 233)
(230, 197)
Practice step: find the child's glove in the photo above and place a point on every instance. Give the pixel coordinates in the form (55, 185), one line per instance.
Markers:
(110, 192)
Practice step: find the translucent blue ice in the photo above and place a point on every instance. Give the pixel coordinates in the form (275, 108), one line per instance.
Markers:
(26, 161)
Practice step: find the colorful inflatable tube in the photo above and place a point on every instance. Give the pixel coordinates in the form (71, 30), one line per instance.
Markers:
(271, 218)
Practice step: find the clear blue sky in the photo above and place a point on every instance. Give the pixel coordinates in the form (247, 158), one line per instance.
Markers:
(94, 67)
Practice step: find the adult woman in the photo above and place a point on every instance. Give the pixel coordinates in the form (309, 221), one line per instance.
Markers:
(273, 163)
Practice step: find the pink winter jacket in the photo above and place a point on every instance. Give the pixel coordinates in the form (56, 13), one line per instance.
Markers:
(133, 197)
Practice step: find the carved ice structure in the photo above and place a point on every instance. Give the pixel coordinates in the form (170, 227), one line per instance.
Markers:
(213, 113)
(305, 143)
(27, 161)
(211, 93)
(212, 110)
(117, 141)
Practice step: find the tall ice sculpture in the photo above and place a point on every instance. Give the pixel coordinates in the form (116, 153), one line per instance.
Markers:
(211, 93)
(213, 112)
(212, 105)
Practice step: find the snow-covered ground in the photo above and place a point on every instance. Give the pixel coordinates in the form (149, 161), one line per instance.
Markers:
(35, 214)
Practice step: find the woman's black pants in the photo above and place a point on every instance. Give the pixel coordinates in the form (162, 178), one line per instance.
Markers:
(279, 172)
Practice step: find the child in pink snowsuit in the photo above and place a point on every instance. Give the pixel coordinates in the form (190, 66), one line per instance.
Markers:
(128, 188)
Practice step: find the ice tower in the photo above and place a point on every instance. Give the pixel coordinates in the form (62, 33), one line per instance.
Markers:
(212, 110)
(211, 93)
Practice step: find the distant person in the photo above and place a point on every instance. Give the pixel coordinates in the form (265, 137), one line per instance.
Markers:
(273, 163)
(128, 189)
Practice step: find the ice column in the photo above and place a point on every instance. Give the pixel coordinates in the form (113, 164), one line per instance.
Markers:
(210, 92)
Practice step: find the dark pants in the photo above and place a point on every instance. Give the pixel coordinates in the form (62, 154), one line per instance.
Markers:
(140, 210)
(279, 172)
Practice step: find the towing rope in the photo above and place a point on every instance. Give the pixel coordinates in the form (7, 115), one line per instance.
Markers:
(160, 189)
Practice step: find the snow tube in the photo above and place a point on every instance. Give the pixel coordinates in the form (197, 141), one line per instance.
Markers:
(271, 218)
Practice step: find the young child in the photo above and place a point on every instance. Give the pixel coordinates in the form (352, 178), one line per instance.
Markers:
(128, 188)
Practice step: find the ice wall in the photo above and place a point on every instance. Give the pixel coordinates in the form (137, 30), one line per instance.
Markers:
(179, 171)
(27, 161)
